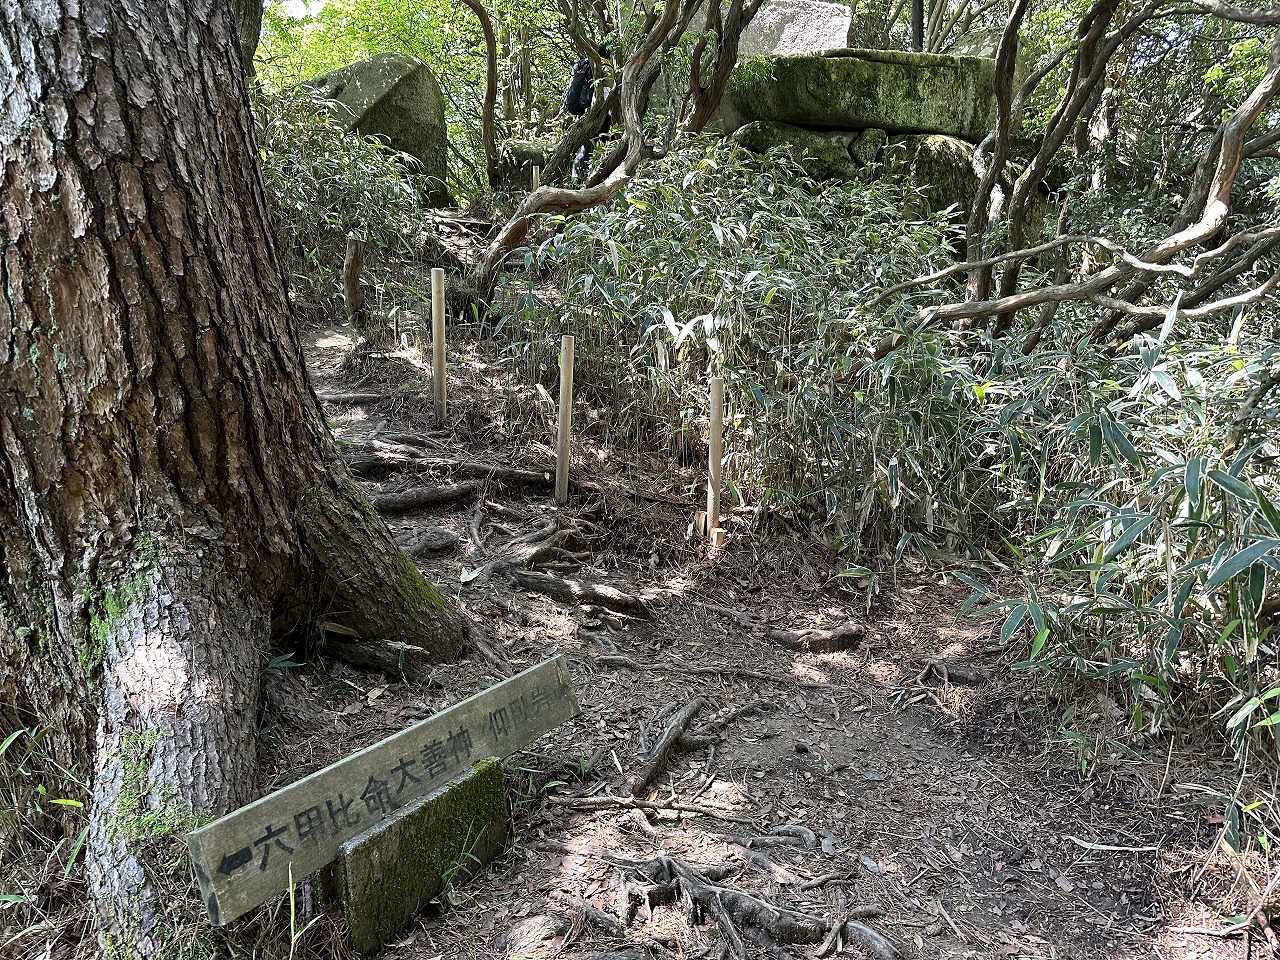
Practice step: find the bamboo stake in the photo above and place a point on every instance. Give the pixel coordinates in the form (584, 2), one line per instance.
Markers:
(715, 454)
(537, 177)
(565, 422)
(437, 340)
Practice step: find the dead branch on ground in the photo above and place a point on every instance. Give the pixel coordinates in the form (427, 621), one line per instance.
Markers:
(582, 591)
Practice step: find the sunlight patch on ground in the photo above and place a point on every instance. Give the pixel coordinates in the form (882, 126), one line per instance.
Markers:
(883, 670)
(333, 340)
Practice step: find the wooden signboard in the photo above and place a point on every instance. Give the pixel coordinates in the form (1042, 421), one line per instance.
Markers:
(245, 858)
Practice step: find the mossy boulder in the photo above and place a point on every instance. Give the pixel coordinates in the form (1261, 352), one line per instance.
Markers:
(869, 147)
(519, 157)
(903, 93)
(942, 168)
(823, 156)
(396, 99)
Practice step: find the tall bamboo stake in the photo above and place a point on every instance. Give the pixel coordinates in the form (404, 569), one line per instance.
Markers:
(537, 177)
(565, 421)
(437, 341)
(715, 453)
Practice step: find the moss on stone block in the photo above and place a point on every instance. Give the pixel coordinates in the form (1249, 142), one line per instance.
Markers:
(942, 167)
(866, 89)
(823, 156)
(388, 873)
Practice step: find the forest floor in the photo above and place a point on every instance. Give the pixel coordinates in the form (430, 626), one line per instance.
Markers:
(913, 771)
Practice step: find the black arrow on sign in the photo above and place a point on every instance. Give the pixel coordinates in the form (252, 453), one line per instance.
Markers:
(231, 862)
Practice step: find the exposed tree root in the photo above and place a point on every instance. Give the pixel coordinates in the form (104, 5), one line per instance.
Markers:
(668, 742)
(820, 641)
(741, 916)
(952, 673)
(375, 456)
(415, 498)
(544, 547)
(432, 540)
(392, 657)
(480, 642)
(785, 835)
(619, 662)
(354, 397)
(581, 591)
(814, 640)
(609, 801)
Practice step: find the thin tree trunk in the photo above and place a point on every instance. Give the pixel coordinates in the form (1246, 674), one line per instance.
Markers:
(169, 492)
(487, 131)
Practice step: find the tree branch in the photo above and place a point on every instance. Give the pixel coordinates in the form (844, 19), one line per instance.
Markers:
(492, 168)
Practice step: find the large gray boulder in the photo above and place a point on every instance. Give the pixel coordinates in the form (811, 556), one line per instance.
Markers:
(888, 90)
(795, 26)
(398, 100)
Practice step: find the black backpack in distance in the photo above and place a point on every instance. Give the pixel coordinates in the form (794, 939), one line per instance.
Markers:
(577, 99)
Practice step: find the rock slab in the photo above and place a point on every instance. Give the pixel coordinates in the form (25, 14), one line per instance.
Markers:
(901, 93)
(796, 26)
(396, 99)
(387, 874)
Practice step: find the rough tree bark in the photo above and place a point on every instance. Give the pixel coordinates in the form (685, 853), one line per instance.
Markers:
(169, 492)
(248, 17)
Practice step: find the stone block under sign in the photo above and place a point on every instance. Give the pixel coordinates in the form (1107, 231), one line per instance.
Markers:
(387, 874)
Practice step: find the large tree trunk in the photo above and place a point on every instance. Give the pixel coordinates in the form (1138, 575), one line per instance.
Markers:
(168, 488)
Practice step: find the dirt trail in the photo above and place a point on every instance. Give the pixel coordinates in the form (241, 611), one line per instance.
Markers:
(955, 808)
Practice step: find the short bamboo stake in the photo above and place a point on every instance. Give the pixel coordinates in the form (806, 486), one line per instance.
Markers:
(437, 341)
(537, 177)
(715, 453)
(564, 425)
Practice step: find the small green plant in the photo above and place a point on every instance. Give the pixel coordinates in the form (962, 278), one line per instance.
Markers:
(461, 867)
(296, 933)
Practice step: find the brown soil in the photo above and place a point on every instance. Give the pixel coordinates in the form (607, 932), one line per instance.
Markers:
(959, 802)
(980, 814)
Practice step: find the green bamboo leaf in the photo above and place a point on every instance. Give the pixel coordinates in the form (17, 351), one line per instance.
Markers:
(8, 741)
(1016, 616)
(1192, 481)
(1270, 511)
(1131, 533)
(1241, 715)
(1233, 485)
(1038, 643)
(1237, 562)
(1170, 316)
